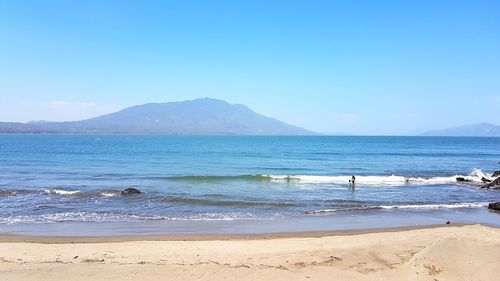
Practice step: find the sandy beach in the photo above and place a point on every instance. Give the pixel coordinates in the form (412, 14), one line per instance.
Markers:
(470, 252)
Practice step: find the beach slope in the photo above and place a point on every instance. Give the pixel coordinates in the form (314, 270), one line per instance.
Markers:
(469, 252)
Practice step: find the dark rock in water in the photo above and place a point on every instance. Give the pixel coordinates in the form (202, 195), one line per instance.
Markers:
(494, 184)
(131, 191)
(494, 206)
(483, 179)
(496, 174)
(448, 222)
(462, 179)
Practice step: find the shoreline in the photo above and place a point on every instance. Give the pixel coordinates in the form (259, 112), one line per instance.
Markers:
(305, 225)
(15, 238)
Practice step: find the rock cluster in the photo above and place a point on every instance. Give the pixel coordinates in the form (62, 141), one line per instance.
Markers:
(494, 184)
(494, 206)
(483, 179)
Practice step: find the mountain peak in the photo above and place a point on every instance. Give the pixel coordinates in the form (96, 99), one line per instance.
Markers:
(205, 100)
(204, 116)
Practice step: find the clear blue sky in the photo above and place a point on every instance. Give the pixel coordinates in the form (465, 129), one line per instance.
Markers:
(362, 67)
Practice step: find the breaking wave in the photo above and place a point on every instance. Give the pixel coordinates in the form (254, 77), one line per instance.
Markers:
(475, 177)
(61, 191)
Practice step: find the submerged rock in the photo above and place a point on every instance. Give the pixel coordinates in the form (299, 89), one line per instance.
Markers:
(494, 206)
(462, 179)
(494, 184)
(483, 179)
(6, 193)
(131, 191)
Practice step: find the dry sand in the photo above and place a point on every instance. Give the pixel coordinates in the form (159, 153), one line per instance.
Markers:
(444, 253)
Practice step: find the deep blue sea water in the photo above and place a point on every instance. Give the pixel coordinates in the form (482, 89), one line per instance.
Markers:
(46, 179)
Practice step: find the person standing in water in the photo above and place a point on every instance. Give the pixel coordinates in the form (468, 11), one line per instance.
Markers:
(349, 185)
(353, 182)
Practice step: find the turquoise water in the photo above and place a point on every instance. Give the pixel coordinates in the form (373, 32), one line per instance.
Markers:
(46, 179)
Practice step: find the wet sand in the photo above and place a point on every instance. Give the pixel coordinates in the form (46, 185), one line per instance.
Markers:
(469, 252)
(344, 221)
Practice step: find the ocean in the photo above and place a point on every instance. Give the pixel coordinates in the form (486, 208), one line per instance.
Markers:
(71, 184)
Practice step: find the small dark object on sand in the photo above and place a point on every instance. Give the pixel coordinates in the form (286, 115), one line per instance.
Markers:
(448, 222)
(494, 206)
(131, 191)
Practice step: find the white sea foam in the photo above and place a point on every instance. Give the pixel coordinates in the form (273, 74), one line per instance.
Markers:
(61, 191)
(74, 217)
(414, 206)
(474, 177)
(109, 194)
(109, 217)
(438, 206)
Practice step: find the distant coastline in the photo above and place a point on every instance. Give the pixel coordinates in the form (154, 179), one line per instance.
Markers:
(474, 130)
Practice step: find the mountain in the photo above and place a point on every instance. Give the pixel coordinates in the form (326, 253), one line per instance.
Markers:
(193, 117)
(475, 130)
